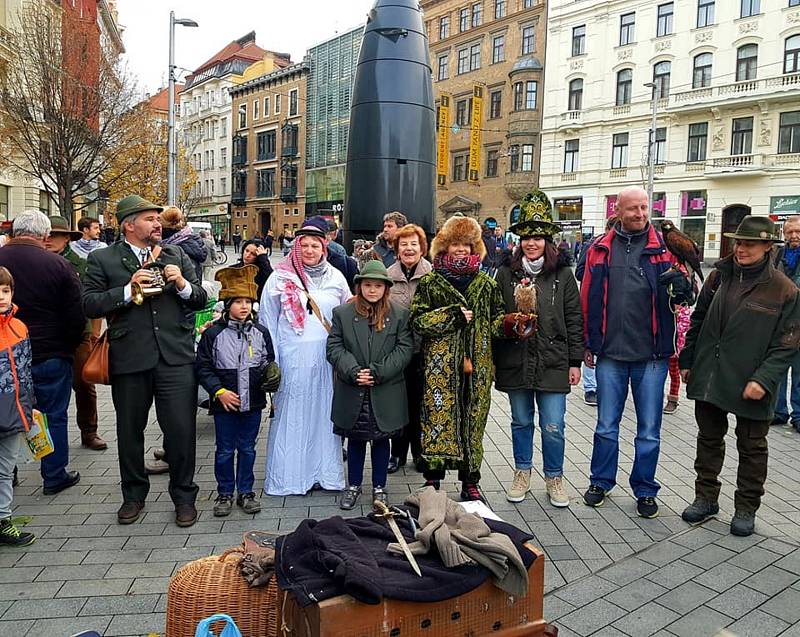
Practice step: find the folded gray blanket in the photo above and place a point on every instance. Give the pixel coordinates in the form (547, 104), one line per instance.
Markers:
(464, 538)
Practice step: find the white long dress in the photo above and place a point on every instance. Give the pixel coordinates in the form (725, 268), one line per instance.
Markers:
(302, 449)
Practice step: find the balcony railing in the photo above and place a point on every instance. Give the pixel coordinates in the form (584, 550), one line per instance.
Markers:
(753, 163)
(746, 88)
(571, 119)
(238, 198)
(289, 151)
(622, 110)
(616, 173)
(289, 194)
(569, 177)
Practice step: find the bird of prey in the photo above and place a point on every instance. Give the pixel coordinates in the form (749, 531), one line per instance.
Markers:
(682, 247)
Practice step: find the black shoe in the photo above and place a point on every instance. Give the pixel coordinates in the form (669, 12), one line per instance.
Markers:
(647, 508)
(779, 420)
(743, 523)
(129, 512)
(15, 481)
(594, 496)
(471, 492)
(699, 510)
(419, 465)
(395, 463)
(10, 535)
(433, 483)
(590, 398)
(73, 478)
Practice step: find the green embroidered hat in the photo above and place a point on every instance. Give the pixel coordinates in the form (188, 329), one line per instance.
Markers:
(535, 217)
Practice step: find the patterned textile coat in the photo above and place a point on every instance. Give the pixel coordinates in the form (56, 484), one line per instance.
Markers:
(455, 405)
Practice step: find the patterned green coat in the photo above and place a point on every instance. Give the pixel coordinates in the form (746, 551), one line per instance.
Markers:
(455, 405)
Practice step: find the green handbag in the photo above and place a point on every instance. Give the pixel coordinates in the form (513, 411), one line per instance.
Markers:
(271, 378)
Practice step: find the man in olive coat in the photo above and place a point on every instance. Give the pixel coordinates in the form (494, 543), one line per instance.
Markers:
(745, 330)
(151, 352)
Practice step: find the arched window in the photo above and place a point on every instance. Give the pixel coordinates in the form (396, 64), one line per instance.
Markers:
(576, 95)
(624, 86)
(661, 77)
(701, 76)
(746, 62)
(791, 60)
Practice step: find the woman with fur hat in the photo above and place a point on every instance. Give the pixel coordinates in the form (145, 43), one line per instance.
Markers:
(231, 358)
(296, 308)
(369, 347)
(457, 310)
(175, 232)
(538, 371)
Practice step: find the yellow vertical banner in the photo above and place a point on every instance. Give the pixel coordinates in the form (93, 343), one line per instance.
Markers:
(475, 133)
(443, 140)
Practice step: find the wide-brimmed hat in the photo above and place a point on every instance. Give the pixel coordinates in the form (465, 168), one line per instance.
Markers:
(132, 204)
(535, 217)
(59, 225)
(756, 228)
(238, 282)
(459, 229)
(374, 270)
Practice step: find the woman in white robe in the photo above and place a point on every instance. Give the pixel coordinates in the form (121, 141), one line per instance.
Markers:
(302, 450)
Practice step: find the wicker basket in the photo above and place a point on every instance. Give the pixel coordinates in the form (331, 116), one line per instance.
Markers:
(214, 585)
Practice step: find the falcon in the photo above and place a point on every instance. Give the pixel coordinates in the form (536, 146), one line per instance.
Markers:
(682, 247)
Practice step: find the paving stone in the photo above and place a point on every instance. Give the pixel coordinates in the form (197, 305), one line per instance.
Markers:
(754, 559)
(121, 605)
(737, 601)
(561, 552)
(778, 546)
(696, 538)
(646, 620)
(70, 572)
(586, 590)
(758, 623)
(32, 590)
(68, 626)
(663, 553)
(592, 617)
(722, 576)
(136, 624)
(149, 569)
(94, 588)
(628, 570)
(685, 597)
(701, 621)
(44, 608)
(132, 556)
(708, 556)
(147, 585)
(15, 628)
(50, 558)
(771, 580)
(635, 594)
(555, 607)
(785, 605)
(790, 562)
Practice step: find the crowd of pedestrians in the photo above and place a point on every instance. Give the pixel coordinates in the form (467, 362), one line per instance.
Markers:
(398, 351)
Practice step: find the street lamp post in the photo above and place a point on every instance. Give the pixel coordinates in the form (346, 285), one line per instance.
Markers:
(172, 159)
(651, 148)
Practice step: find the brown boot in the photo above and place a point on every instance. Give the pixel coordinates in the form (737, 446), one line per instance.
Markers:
(94, 442)
(156, 467)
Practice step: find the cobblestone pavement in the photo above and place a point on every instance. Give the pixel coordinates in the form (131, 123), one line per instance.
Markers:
(607, 573)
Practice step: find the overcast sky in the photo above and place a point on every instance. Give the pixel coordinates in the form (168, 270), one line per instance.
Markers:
(289, 27)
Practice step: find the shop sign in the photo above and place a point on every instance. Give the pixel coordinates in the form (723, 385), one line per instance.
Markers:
(787, 205)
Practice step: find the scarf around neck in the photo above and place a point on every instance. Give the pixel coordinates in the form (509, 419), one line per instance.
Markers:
(533, 268)
(457, 272)
(294, 278)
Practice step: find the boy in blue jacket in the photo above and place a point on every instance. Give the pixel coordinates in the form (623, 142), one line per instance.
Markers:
(231, 358)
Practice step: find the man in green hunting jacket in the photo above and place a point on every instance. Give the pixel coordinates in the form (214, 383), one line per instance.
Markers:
(745, 330)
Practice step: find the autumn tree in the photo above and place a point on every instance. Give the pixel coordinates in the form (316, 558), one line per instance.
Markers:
(65, 107)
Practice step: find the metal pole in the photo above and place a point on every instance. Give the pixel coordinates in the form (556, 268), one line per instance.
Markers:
(651, 153)
(172, 156)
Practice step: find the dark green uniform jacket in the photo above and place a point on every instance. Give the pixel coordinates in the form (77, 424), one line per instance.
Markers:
(77, 262)
(163, 326)
(542, 361)
(756, 343)
(351, 348)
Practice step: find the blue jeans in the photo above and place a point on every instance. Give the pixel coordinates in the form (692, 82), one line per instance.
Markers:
(52, 385)
(646, 379)
(589, 379)
(236, 434)
(781, 408)
(551, 423)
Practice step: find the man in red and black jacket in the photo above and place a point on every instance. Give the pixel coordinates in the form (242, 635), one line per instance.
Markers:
(629, 330)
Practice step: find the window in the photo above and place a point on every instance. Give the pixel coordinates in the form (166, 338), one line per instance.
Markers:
(223, 186)
(242, 115)
(513, 152)
(495, 104)
(579, 40)
(499, 9)
(531, 90)
(789, 133)
(750, 8)
(474, 57)
(477, 14)
(498, 49)
(791, 58)
(223, 127)
(527, 4)
(289, 179)
(266, 107)
(211, 159)
(277, 103)
(746, 62)
(256, 105)
(794, 3)
(265, 183)
(492, 163)
(627, 24)
(660, 146)
(528, 40)
(223, 157)
(265, 145)
(619, 152)
(742, 137)
(463, 20)
(661, 77)
(44, 202)
(460, 166)
(463, 111)
(463, 61)
(571, 155)
(575, 102)
(293, 102)
(624, 86)
(664, 22)
(442, 72)
(705, 13)
(698, 141)
(444, 27)
(527, 157)
(701, 75)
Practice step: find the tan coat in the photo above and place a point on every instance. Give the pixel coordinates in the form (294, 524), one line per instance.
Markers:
(403, 291)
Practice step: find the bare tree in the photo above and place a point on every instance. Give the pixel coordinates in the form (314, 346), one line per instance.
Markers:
(65, 108)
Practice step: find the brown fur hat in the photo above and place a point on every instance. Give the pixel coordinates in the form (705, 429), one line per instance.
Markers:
(172, 217)
(459, 229)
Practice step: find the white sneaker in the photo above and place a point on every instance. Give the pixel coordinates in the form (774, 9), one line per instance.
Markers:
(555, 489)
(520, 485)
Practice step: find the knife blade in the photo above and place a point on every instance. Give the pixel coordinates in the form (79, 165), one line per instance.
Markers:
(382, 511)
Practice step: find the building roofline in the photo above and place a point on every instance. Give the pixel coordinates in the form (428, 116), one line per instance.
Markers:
(102, 5)
(339, 35)
(263, 80)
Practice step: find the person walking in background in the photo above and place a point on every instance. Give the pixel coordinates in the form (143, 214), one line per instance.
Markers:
(369, 347)
(296, 308)
(410, 246)
(540, 358)
(237, 241)
(89, 239)
(48, 294)
(269, 240)
(231, 358)
(457, 309)
(745, 331)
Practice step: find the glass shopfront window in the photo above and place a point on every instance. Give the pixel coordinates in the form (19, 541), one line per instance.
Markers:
(568, 209)
(693, 216)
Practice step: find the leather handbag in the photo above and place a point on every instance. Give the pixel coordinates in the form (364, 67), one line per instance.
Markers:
(95, 370)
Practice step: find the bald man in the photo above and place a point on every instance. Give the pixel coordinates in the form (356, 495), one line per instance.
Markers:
(629, 329)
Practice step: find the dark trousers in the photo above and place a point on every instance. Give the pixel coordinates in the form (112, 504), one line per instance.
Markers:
(751, 442)
(52, 382)
(85, 393)
(174, 390)
(236, 435)
(411, 436)
(356, 456)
